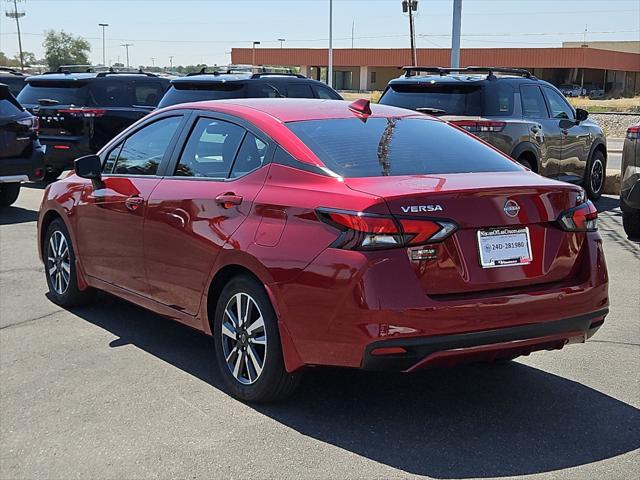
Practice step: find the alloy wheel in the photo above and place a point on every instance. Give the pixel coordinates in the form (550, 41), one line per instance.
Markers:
(244, 338)
(58, 262)
(597, 175)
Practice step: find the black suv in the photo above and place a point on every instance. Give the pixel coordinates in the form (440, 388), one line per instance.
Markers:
(231, 83)
(13, 78)
(80, 112)
(524, 117)
(21, 154)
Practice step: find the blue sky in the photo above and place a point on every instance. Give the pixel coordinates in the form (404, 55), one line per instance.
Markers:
(204, 31)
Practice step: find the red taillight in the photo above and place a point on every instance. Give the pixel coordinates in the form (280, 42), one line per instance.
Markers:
(83, 112)
(583, 218)
(32, 123)
(476, 126)
(61, 147)
(362, 231)
(35, 125)
(633, 132)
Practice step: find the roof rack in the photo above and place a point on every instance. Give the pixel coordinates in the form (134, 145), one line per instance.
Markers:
(111, 71)
(222, 70)
(412, 70)
(10, 70)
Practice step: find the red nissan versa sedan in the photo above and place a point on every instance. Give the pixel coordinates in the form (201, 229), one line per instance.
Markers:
(318, 232)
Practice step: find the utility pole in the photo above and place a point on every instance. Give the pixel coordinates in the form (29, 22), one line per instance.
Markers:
(281, 40)
(410, 6)
(253, 53)
(455, 33)
(353, 28)
(153, 61)
(103, 25)
(330, 63)
(17, 15)
(126, 46)
(170, 61)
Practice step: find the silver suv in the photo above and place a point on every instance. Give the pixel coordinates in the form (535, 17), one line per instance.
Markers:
(522, 116)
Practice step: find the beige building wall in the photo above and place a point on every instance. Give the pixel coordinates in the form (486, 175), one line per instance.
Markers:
(623, 46)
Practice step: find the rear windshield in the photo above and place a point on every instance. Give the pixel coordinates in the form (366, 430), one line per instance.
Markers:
(200, 91)
(397, 146)
(447, 99)
(63, 93)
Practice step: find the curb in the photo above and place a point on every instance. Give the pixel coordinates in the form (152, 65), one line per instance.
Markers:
(612, 182)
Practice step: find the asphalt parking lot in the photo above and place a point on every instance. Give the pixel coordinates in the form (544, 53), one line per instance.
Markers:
(112, 391)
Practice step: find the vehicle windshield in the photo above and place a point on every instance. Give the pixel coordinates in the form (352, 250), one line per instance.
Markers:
(61, 93)
(201, 91)
(377, 147)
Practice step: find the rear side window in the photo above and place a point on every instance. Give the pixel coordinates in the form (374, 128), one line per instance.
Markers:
(15, 83)
(184, 92)
(251, 156)
(147, 93)
(210, 149)
(8, 109)
(445, 99)
(106, 93)
(533, 105)
(62, 93)
(325, 93)
(143, 151)
(397, 146)
(498, 100)
(299, 90)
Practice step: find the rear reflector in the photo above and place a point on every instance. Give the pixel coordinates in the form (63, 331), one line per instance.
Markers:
(362, 231)
(583, 218)
(480, 125)
(388, 351)
(61, 147)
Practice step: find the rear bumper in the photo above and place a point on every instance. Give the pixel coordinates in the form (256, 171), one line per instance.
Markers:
(447, 350)
(62, 151)
(32, 167)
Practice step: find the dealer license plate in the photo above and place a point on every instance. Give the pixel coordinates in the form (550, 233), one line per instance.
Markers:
(504, 247)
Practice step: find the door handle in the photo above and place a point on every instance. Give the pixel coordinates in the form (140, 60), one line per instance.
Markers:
(133, 202)
(228, 200)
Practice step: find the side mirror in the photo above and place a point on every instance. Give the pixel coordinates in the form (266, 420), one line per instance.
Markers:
(89, 166)
(581, 115)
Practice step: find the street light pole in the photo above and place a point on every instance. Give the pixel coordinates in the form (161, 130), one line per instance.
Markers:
(410, 6)
(103, 25)
(281, 40)
(127, 45)
(330, 63)
(455, 33)
(253, 53)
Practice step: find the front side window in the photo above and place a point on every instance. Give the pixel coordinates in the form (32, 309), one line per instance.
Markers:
(397, 146)
(326, 94)
(147, 93)
(142, 152)
(533, 105)
(210, 149)
(250, 157)
(558, 105)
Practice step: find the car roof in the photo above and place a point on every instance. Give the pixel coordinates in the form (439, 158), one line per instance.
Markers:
(77, 76)
(460, 78)
(293, 109)
(271, 114)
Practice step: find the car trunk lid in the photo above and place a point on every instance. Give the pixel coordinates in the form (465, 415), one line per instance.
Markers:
(488, 203)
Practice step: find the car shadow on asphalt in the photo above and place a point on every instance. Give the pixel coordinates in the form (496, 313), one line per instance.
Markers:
(489, 420)
(14, 215)
(607, 204)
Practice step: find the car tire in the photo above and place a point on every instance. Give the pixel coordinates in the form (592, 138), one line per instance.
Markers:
(60, 267)
(51, 175)
(9, 193)
(247, 346)
(631, 223)
(595, 175)
(525, 163)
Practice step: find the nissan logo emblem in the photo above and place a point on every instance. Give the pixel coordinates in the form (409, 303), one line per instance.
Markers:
(511, 208)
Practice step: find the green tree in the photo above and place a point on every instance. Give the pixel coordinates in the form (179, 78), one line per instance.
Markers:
(62, 48)
(8, 62)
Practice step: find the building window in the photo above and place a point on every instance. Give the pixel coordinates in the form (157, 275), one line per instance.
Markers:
(373, 77)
